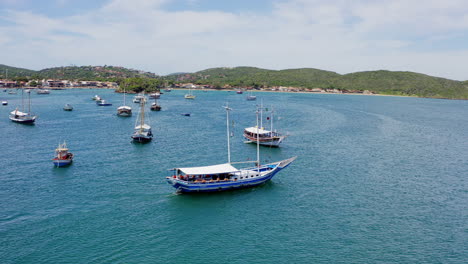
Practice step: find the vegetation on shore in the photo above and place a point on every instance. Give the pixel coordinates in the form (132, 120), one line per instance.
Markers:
(382, 82)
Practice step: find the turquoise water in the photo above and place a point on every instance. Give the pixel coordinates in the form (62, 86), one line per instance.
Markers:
(377, 180)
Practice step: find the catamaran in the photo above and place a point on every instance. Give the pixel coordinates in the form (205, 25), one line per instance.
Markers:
(21, 116)
(142, 133)
(124, 110)
(62, 156)
(223, 177)
(264, 137)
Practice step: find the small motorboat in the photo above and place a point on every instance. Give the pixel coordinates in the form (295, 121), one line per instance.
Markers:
(103, 102)
(12, 92)
(185, 114)
(4, 102)
(155, 95)
(62, 156)
(43, 91)
(239, 92)
(68, 107)
(96, 98)
(139, 98)
(155, 107)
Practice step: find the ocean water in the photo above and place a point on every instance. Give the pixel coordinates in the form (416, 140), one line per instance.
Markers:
(377, 180)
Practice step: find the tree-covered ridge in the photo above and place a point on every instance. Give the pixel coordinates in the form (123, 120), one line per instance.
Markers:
(385, 82)
(14, 72)
(93, 73)
(89, 73)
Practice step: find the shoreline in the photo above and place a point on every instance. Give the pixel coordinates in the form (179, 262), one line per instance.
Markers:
(234, 90)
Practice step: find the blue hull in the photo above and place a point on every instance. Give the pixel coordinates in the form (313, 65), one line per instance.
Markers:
(185, 187)
(62, 163)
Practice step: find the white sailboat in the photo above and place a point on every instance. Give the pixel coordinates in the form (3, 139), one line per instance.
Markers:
(190, 94)
(142, 133)
(223, 177)
(22, 116)
(251, 97)
(124, 110)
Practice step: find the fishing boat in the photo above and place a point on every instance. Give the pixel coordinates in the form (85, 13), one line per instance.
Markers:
(189, 95)
(142, 133)
(62, 156)
(96, 98)
(4, 102)
(43, 91)
(103, 102)
(139, 98)
(22, 116)
(264, 137)
(68, 107)
(155, 106)
(124, 110)
(251, 97)
(224, 177)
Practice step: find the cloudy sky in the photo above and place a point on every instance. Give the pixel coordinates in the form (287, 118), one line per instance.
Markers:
(166, 36)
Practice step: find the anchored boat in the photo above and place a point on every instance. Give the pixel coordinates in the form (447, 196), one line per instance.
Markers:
(68, 107)
(21, 116)
(223, 177)
(62, 156)
(264, 137)
(124, 110)
(142, 133)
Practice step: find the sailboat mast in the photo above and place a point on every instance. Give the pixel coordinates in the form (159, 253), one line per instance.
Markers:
(227, 132)
(258, 144)
(29, 102)
(142, 121)
(271, 120)
(125, 94)
(261, 114)
(22, 100)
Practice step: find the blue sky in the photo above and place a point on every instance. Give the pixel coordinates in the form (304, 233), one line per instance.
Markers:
(165, 36)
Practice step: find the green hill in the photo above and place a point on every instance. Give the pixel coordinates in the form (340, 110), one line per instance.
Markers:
(14, 72)
(77, 73)
(93, 73)
(385, 82)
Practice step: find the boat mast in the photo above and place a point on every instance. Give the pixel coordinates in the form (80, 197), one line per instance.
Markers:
(29, 102)
(125, 96)
(142, 121)
(261, 114)
(258, 145)
(227, 131)
(271, 120)
(22, 100)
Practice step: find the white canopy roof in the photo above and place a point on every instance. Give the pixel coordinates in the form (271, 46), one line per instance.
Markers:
(18, 113)
(256, 130)
(125, 107)
(213, 169)
(145, 126)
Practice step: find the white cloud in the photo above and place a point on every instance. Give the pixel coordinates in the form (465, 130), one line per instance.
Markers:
(333, 35)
